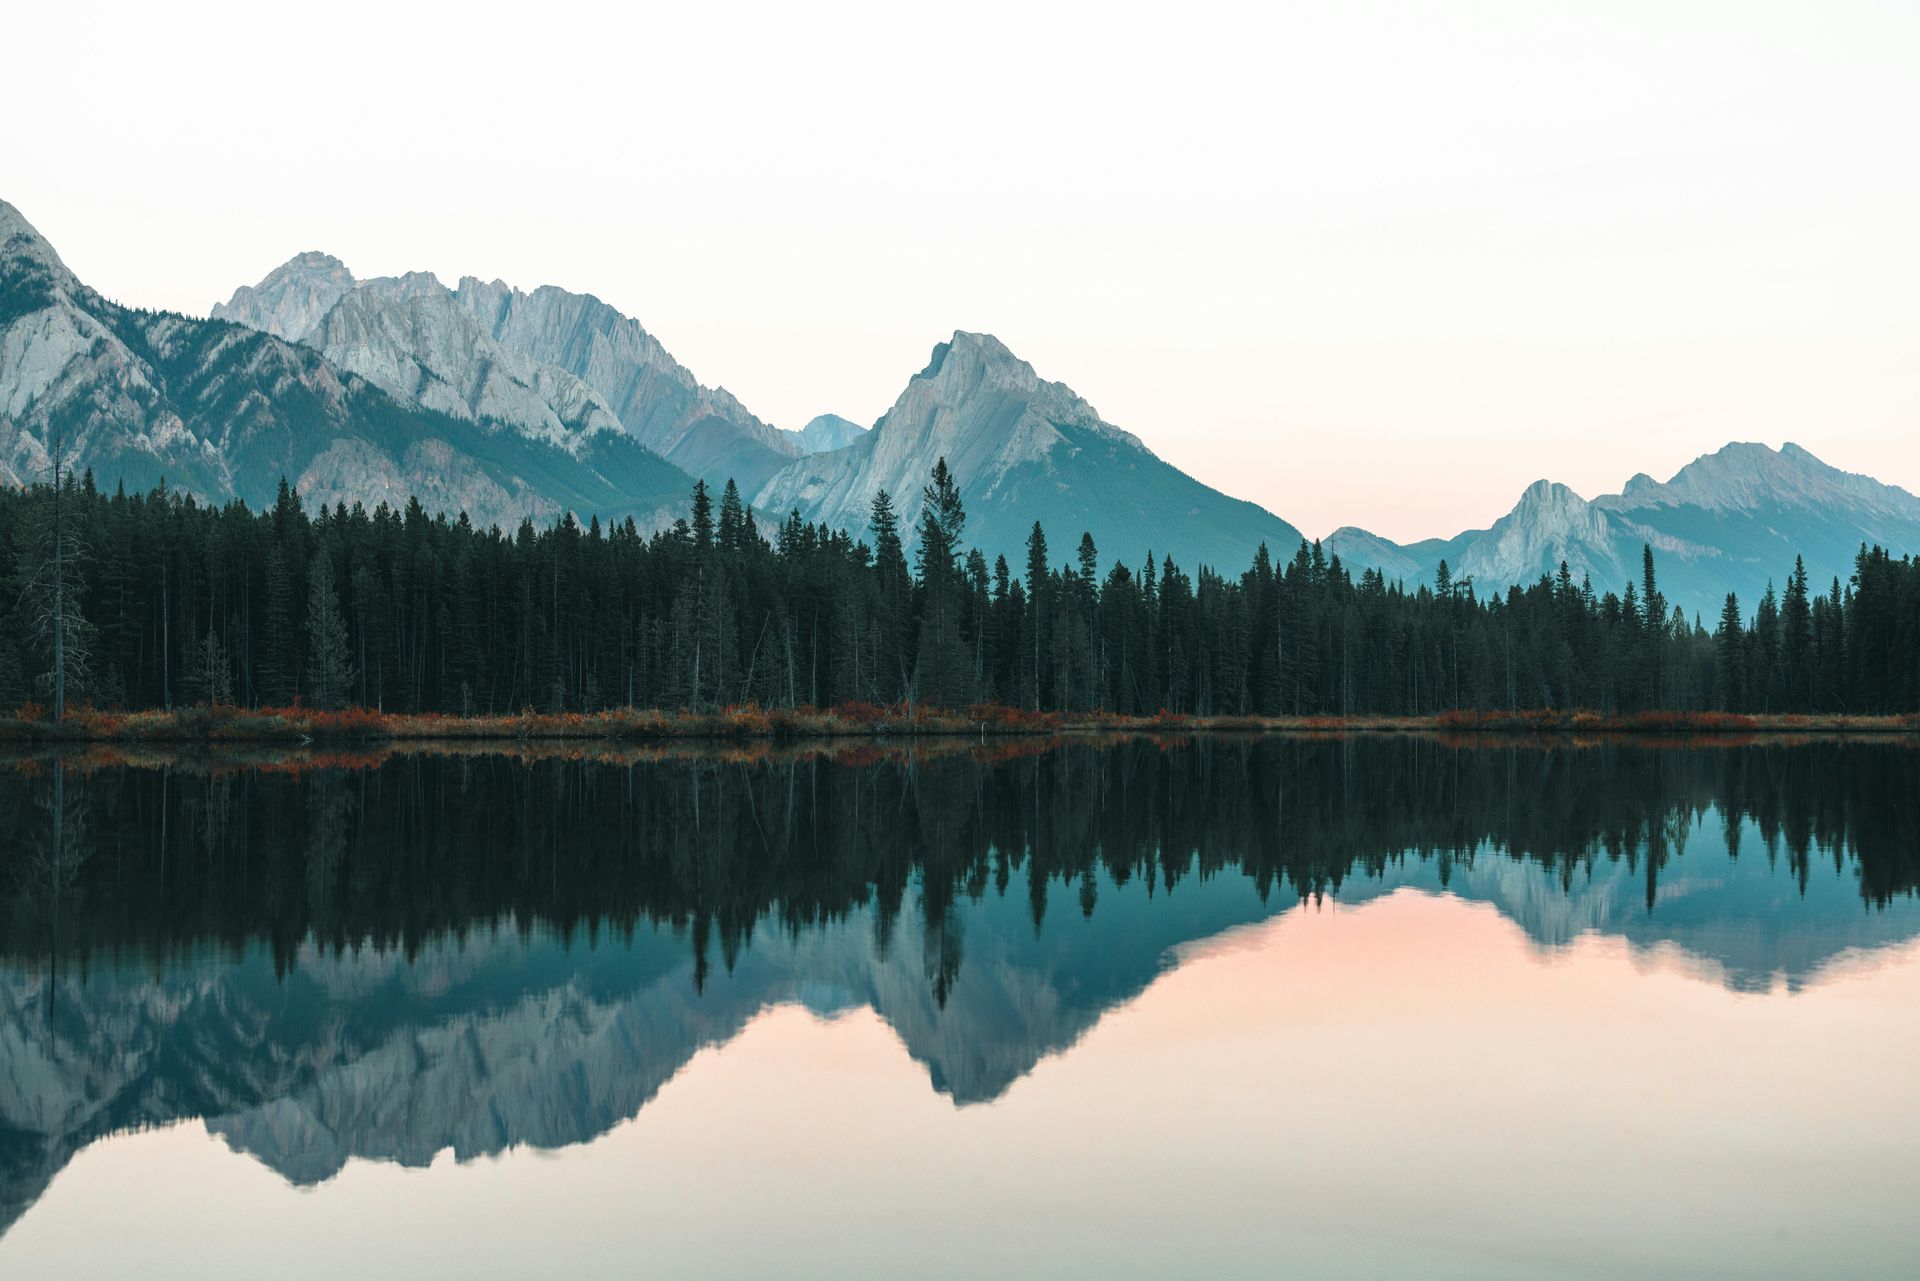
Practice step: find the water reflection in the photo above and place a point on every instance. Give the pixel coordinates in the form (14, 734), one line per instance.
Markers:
(390, 959)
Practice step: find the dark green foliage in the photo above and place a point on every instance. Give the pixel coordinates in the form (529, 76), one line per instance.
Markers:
(329, 671)
(425, 613)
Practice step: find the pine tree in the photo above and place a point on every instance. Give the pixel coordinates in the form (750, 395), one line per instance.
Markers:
(1729, 643)
(732, 519)
(894, 589)
(702, 517)
(1796, 641)
(941, 655)
(329, 667)
(1036, 606)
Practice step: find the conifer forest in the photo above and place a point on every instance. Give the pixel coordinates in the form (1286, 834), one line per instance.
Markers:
(158, 600)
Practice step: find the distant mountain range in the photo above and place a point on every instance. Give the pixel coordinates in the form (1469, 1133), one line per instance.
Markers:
(509, 404)
(1025, 450)
(544, 362)
(224, 411)
(1730, 521)
(555, 364)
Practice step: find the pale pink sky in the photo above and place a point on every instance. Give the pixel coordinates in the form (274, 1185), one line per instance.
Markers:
(1375, 263)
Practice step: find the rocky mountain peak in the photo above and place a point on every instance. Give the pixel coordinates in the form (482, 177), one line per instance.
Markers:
(32, 279)
(1747, 476)
(1549, 524)
(20, 243)
(966, 360)
(1024, 449)
(1550, 500)
(292, 299)
(411, 336)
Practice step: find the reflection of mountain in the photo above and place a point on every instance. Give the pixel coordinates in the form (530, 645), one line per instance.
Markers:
(469, 1033)
(505, 1038)
(1745, 922)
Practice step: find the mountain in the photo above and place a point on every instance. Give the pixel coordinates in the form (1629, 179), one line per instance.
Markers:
(1732, 520)
(829, 432)
(291, 300)
(225, 412)
(551, 362)
(1024, 450)
(705, 431)
(411, 337)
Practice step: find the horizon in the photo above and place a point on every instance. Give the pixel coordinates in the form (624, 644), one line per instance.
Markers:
(1317, 261)
(1345, 548)
(1309, 533)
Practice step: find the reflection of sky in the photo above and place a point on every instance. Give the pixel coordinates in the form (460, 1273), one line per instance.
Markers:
(1403, 1087)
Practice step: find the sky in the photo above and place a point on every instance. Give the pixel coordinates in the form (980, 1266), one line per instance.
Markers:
(1372, 264)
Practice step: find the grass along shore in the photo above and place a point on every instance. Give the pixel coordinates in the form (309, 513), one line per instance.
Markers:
(31, 724)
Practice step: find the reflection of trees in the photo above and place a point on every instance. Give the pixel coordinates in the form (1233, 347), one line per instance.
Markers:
(47, 869)
(422, 845)
(329, 809)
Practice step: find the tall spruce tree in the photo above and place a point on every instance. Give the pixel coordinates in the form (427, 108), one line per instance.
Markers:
(329, 662)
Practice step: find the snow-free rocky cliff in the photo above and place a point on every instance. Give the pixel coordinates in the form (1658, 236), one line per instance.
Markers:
(225, 411)
(551, 363)
(1024, 449)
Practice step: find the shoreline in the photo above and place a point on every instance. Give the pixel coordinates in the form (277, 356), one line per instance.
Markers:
(300, 726)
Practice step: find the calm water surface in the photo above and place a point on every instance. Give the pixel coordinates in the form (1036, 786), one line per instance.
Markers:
(1367, 1008)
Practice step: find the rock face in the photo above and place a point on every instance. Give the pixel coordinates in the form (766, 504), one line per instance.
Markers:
(1730, 521)
(290, 302)
(223, 411)
(550, 363)
(411, 337)
(1024, 449)
(1550, 524)
(829, 432)
(704, 431)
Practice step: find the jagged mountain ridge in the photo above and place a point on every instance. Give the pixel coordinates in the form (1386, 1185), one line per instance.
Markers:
(291, 300)
(705, 431)
(224, 411)
(411, 337)
(147, 395)
(550, 362)
(1730, 521)
(1024, 449)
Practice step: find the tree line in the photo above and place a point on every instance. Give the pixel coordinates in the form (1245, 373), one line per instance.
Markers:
(159, 600)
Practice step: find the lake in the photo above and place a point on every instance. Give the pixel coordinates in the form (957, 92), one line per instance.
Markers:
(1387, 1006)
